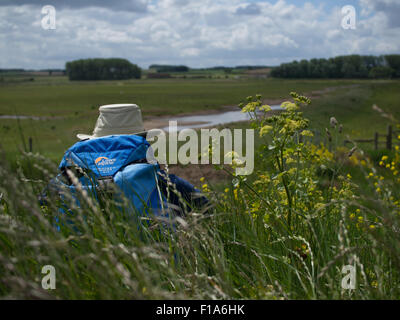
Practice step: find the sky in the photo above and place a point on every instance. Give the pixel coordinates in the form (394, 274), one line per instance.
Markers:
(197, 33)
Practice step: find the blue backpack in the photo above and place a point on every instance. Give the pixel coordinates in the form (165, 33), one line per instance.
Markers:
(119, 161)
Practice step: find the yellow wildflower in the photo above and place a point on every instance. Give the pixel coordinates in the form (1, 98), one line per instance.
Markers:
(231, 155)
(307, 133)
(265, 108)
(289, 106)
(250, 107)
(264, 130)
(363, 163)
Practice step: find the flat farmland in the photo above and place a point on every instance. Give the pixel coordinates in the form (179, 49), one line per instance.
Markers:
(65, 108)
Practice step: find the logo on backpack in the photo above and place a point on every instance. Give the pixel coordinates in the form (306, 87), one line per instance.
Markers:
(117, 160)
(104, 161)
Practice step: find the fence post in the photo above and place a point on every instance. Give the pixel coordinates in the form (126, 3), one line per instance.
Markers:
(389, 137)
(30, 144)
(376, 140)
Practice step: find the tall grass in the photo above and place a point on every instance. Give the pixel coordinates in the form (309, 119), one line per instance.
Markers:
(283, 233)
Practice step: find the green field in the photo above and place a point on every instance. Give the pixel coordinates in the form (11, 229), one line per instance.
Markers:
(353, 108)
(72, 107)
(283, 232)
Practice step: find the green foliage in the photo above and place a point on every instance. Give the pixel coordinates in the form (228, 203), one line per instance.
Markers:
(285, 232)
(102, 69)
(352, 66)
(169, 68)
(393, 62)
(316, 218)
(381, 72)
(72, 106)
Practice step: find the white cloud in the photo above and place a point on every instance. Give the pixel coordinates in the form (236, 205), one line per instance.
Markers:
(197, 33)
(117, 5)
(389, 8)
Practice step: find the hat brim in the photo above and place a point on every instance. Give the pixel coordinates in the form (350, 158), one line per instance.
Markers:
(82, 136)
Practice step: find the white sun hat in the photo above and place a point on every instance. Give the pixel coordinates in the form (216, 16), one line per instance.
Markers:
(117, 119)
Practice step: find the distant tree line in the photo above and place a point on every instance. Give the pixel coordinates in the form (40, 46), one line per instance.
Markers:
(352, 66)
(102, 69)
(251, 67)
(223, 68)
(169, 68)
(30, 70)
(11, 70)
(51, 71)
(216, 68)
